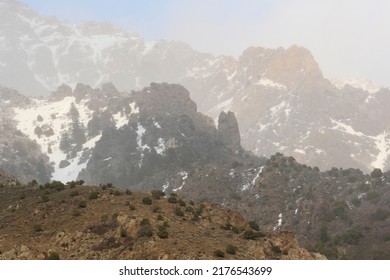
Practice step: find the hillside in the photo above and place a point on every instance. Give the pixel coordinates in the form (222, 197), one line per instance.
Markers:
(71, 221)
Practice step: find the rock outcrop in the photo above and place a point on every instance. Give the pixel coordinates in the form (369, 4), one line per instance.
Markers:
(228, 130)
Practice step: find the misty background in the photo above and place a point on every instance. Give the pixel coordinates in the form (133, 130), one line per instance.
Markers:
(347, 38)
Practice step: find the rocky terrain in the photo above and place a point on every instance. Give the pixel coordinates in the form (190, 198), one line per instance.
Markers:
(280, 98)
(57, 221)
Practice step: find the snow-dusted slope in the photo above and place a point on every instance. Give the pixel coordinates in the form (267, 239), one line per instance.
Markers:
(365, 85)
(54, 116)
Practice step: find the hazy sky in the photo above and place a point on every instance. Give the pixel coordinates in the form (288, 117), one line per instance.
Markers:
(348, 38)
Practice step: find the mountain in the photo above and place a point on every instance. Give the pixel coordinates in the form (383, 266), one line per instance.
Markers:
(59, 221)
(280, 98)
(107, 136)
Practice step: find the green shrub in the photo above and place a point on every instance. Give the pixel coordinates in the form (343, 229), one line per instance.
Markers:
(117, 193)
(145, 222)
(145, 229)
(37, 228)
(179, 212)
(53, 256)
(74, 193)
(172, 199)
(45, 198)
(380, 214)
(147, 200)
(254, 225)
(219, 253)
(230, 249)
(350, 236)
(82, 204)
(182, 203)
(93, 195)
(57, 185)
(123, 232)
(157, 194)
(162, 233)
(253, 235)
(276, 249)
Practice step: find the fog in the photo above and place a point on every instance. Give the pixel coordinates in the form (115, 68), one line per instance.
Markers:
(347, 38)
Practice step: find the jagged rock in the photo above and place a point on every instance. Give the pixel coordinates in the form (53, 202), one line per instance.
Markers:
(228, 130)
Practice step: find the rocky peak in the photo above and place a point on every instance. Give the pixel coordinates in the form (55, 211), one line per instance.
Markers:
(165, 99)
(228, 131)
(292, 66)
(12, 97)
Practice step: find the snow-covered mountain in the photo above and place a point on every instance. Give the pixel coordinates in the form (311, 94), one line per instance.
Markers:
(107, 136)
(281, 99)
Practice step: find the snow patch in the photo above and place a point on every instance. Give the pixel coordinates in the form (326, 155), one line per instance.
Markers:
(270, 84)
(300, 151)
(184, 176)
(257, 175)
(161, 146)
(120, 119)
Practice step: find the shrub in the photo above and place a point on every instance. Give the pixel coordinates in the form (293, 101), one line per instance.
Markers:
(350, 236)
(372, 196)
(76, 213)
(219, 253)
(253, 235)
(93, 195)
(380, 214)
(172, 199)
(144, 222)
(123, 232)
(45, 198)
(22, 196)
(74, 193)
(128, 192)
(276, 249)
(57, 185)
(104, 218)
(82, 204)
(182, 203)
(179, 212)
(376, 173)
(107, 243)
(53, 256)
(162, 233)
(230, 249)
(147, 200)
(254, 225)
(102, 228)
(117, 193)
(37, 228)
(157, 194)
(145, 229)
